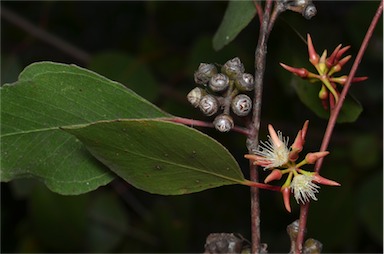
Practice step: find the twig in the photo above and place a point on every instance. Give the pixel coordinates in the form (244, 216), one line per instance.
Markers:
(259, 10)
(192, 123)
(333, 118)
(39, 33)
(254, 126)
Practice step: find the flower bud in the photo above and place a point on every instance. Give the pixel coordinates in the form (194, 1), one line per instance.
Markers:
(241, 105)
(286, 198)
(322, 180)
(245, 82)
(304, 130)
(313, 56)
(341, 52)
(337, 67)
(195, 95)
(296, 147)
(209, 105)
(332, 58)
(223, 123)
(311, 158)
(274, 175)
(233, 68)
(301, 72)
(219, 82)
(343, 79)
(323, 94)
(204, 73)
(322, 66)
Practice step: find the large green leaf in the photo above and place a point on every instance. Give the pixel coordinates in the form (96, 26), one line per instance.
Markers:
(159, 156)
(49, 95)
(237, 16)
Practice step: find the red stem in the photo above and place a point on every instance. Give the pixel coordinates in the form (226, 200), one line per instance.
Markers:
(263, 186)
(333, 118)
(259, 10)
(199, 123)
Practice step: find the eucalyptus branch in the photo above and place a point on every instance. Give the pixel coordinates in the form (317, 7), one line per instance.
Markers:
(254, 126)
(278, 8)
(259, 10)
(333, 118)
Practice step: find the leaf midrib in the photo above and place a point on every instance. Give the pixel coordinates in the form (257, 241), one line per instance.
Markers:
(175, 164)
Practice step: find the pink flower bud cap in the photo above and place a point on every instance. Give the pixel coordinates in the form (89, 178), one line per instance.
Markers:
(274, 175)
(322, 180)
(313, 56)
(311, 158)
(286, 198)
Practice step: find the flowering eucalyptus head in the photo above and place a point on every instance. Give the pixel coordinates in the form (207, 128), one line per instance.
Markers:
(272, 153)
(275, 155)
(326, 67)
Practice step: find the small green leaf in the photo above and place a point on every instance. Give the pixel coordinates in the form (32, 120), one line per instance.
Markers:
(46, 97)
(308, 94)
(237, 16)
(160, 157)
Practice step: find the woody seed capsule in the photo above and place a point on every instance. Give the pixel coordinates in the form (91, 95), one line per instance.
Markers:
(204, 73)
(309, 11)
(241, 105)
(223, 123)
(233, 68)
(195, 95)
(209, 105)
(219, 82)
(244, 82)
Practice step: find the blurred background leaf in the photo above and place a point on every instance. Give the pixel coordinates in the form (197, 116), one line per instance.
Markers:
(308, 94)
(237, 16)
(128, 70)
(171, 39)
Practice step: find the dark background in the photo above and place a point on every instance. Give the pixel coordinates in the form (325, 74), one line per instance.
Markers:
(166, 41)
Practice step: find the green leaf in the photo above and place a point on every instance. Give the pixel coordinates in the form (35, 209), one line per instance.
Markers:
(50, 95)
(237, 16)
(308, 94)
(160, 157)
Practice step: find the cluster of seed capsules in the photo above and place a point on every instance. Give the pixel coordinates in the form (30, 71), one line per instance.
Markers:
(222, 92)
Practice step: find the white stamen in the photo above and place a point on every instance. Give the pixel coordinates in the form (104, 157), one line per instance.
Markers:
(303, 188)
(274, 155)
